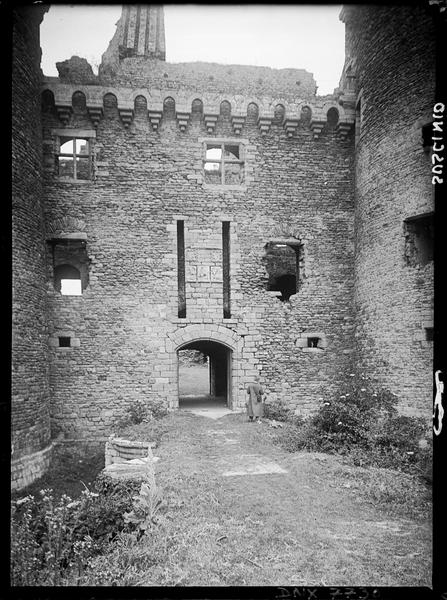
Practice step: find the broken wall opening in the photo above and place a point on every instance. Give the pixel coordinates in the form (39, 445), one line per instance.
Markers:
(283, 263)
(419, 238)
(70, 266)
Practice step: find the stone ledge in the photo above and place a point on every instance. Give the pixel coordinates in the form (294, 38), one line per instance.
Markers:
(120, 450)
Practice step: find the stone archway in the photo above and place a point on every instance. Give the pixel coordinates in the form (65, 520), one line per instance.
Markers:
(223, 346)
(217, 369)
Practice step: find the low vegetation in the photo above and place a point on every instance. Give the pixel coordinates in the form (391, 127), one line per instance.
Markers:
(54, 537)
(189, 531)
(363, 425)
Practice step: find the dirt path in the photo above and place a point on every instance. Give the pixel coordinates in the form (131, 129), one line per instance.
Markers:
(252, 514)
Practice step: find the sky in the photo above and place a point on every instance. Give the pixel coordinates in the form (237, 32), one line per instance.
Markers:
(307, 37)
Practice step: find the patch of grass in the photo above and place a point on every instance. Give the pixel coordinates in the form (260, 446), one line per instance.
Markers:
(194, 380)
(394, 492)
(319, 523)
(152, 431)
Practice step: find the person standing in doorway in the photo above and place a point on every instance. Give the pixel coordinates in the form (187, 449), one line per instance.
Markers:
(255, 406)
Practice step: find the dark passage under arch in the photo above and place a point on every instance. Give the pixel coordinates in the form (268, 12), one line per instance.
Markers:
(204, 375)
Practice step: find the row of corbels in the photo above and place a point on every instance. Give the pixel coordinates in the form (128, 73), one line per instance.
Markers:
(290, 123)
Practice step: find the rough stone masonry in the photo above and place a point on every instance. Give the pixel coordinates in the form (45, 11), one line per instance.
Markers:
(222, 208)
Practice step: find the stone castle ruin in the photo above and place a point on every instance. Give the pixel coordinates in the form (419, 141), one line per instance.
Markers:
(225, 209)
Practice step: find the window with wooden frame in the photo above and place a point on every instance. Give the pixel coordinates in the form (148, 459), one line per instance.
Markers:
(74, 157)
(223, 163)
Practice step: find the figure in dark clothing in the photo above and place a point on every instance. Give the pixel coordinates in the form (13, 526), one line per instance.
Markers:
(255, 406)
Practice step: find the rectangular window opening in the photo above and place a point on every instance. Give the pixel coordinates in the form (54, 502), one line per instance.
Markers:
(74, 158)
(429, 334)
(282, 263)
(312, 342)
(71, 287)
(64, 342)
(419, 234)
(181, 281)
(222, 164)
(70, 265)
(226, 269)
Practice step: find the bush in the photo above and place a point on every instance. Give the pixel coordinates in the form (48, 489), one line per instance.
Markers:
(364, 424)
(346, 421)
(52, 541)
(127, 561)
(141, 411)
(158, 409)
(295, 436)
(277, 411)
(399, 432)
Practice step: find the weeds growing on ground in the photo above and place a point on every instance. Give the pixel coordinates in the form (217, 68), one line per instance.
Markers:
(145, 506)
(140, 411)
(50, 539)
(53, 542)
(364, 424)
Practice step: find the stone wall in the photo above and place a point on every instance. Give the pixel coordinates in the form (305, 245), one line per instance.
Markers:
(297, 184)
(391, 52)
(30, 386)
(210, 77)
(29, 467)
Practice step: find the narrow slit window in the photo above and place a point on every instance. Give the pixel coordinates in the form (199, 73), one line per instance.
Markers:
(358, 121)
(429, 334)
(181, 282)
(226, 269)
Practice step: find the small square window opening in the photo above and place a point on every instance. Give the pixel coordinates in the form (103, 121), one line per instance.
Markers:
(312, 342)
(223, 165)
(74, 158)
(64, 342)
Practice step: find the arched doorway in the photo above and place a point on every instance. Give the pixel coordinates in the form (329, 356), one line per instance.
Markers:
(204, 374)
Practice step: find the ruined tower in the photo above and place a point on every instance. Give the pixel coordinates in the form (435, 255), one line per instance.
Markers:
(142, 32)
(389, 80)
(30, 393)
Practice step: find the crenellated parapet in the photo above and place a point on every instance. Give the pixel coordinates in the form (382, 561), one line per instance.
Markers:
(303, 115)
